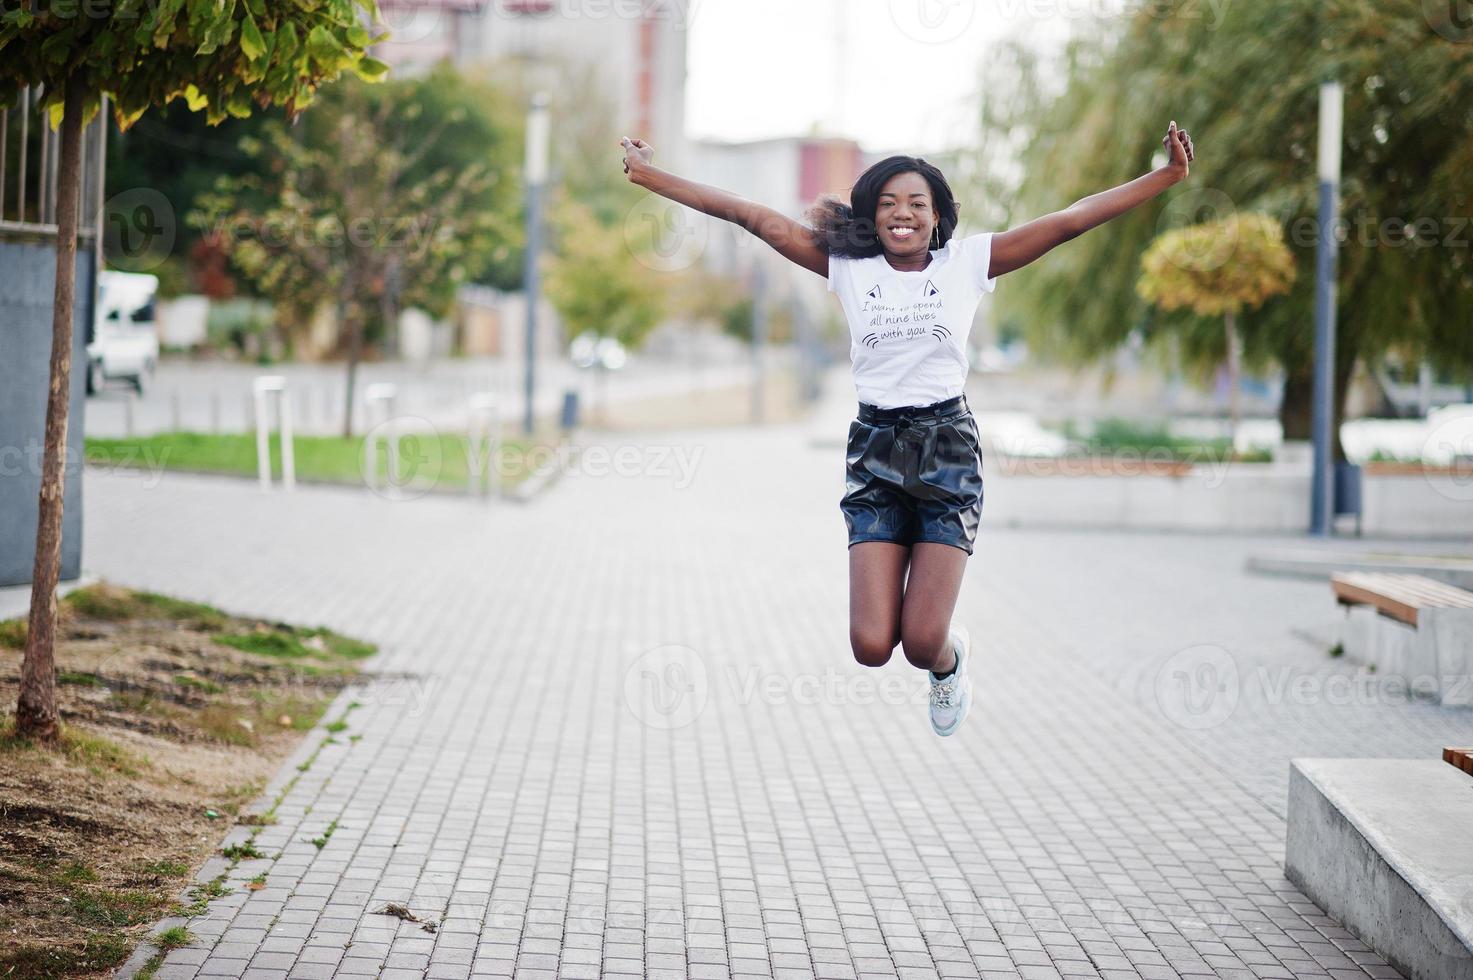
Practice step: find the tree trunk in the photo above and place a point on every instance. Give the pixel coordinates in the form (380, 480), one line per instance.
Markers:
(35, 709)
(1234, 366)
(1296, 410)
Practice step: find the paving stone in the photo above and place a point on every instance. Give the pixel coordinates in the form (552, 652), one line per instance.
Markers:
(771, 806)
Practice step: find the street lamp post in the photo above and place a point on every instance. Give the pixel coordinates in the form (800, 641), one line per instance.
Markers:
(1322, 488)
(536, 178)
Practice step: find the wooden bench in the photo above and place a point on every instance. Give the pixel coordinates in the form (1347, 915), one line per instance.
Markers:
(1410, 625)
(1459, 759)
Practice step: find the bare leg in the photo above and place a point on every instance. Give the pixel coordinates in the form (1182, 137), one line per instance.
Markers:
(876, 583)
(930, 598)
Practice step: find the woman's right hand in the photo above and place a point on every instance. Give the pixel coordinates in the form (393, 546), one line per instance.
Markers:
(637, 153)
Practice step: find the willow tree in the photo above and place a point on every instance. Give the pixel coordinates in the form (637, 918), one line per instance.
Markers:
(1219, 268)
(223, 59)
(1246, 77)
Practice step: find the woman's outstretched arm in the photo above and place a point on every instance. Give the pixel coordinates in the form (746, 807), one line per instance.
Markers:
(1016, 247)
(791, 239)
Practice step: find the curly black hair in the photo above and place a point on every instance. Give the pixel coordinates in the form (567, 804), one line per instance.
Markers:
(848, 230)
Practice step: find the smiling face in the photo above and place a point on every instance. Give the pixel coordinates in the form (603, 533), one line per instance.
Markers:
(905, 215)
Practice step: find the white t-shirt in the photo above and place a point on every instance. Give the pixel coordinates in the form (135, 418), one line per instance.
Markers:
(908, 330)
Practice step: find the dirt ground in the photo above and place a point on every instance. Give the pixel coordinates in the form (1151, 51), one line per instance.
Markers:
(174, 716)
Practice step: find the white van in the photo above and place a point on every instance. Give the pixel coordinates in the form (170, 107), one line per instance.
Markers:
(125, 339)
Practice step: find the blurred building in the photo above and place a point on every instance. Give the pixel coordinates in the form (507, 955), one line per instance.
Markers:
(636, 47)
(787, 174)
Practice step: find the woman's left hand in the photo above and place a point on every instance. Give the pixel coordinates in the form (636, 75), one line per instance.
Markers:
(1178, 145)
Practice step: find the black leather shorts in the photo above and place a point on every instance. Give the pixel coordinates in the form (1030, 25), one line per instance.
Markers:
(914, 474)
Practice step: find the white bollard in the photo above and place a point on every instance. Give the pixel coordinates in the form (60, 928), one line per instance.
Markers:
(483, 429)
(379, 398)
(262, 389)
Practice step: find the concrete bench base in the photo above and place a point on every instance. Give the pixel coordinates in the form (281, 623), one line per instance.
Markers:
(1435, 657)
(1382, 845)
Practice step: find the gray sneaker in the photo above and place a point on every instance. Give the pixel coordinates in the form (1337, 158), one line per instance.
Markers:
(951, 696)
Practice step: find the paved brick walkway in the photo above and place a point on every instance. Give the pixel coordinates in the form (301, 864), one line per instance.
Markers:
(618, 732)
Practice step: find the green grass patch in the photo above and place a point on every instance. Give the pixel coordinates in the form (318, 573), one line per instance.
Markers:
(166, 869)
(272, 643)
(99, 951)
(294, 643)
(198, 684)
(435, 462)
(108, 602)
(321, 842)
(115, 909)
(1117, 436)
(242, 852)
(201, 896)
(79, 678)
(77, 873)
(336, 644)
(13, 633)
(83, 747)
(175, 937)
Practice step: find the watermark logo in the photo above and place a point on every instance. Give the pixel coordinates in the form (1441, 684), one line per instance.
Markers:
(932, 21)
(139, 228)
(1453, 19)
(663, 235)
(1450, 444)
(411, 21)
(1198, 687)
(1199, 206)
(667, 687)
(412, 458)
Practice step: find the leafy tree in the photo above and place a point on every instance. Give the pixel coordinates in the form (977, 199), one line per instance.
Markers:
(176, 157)
(223, 60)
(594, 285)
(1245, 77)
(1219, 269)
(384, 196)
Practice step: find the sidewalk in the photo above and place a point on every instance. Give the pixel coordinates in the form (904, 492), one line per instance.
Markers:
(619, 732)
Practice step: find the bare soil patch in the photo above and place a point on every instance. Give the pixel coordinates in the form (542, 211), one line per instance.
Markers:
(174, 716)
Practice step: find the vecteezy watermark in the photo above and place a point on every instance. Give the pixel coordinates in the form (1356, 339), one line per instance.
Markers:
(146, 461)
(1197, 462)
(413, 233)
(1452, 19)
(663, 235)
(1389, 231)
(1198, 687)
(650, 460)
(404, 457)
(933, 21)
(1450, 444)
(412, 454)
(1285, 685)
(833, 686)
(139, 229)
(667, 687)
(1197, 206)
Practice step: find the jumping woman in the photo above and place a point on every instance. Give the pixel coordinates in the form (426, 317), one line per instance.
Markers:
(909, 289)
